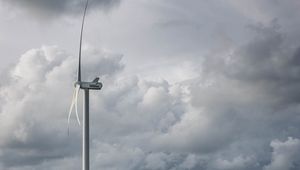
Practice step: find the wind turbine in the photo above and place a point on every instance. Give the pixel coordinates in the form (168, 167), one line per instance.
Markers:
(86, 87)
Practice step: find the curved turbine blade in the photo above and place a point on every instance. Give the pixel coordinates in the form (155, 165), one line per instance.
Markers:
(77, 89)
(80, 42)
(72, 105)
(71, 109)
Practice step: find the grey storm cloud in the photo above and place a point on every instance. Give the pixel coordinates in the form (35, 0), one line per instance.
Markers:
(52, 8)
(240, 111)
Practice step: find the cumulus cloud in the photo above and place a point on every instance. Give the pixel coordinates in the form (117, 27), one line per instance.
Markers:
(40, 79)
(285, 154)
(223, 119)
(33, 131)
(238, 162)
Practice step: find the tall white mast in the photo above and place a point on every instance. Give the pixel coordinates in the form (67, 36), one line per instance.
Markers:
(86, 133)
(86, 87)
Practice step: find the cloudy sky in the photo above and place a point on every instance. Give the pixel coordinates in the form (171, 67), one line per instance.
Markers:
(188, 84)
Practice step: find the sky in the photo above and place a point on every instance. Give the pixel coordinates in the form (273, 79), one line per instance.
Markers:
(188, 84)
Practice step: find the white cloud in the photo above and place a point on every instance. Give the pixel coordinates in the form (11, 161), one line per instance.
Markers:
(236, 163)
(30, 123)
(135, 123)
(117, 157)
(285, 154)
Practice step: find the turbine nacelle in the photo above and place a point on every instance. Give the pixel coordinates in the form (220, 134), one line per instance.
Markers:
(94, 85)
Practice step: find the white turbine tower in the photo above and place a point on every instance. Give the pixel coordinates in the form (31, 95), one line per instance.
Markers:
(86, 87)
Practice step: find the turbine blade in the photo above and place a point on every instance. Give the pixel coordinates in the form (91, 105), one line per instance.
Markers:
(72, 105)
(71, 109)
(76, 103)
(80, 42)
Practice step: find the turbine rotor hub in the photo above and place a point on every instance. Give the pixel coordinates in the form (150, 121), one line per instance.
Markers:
(93, 85)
